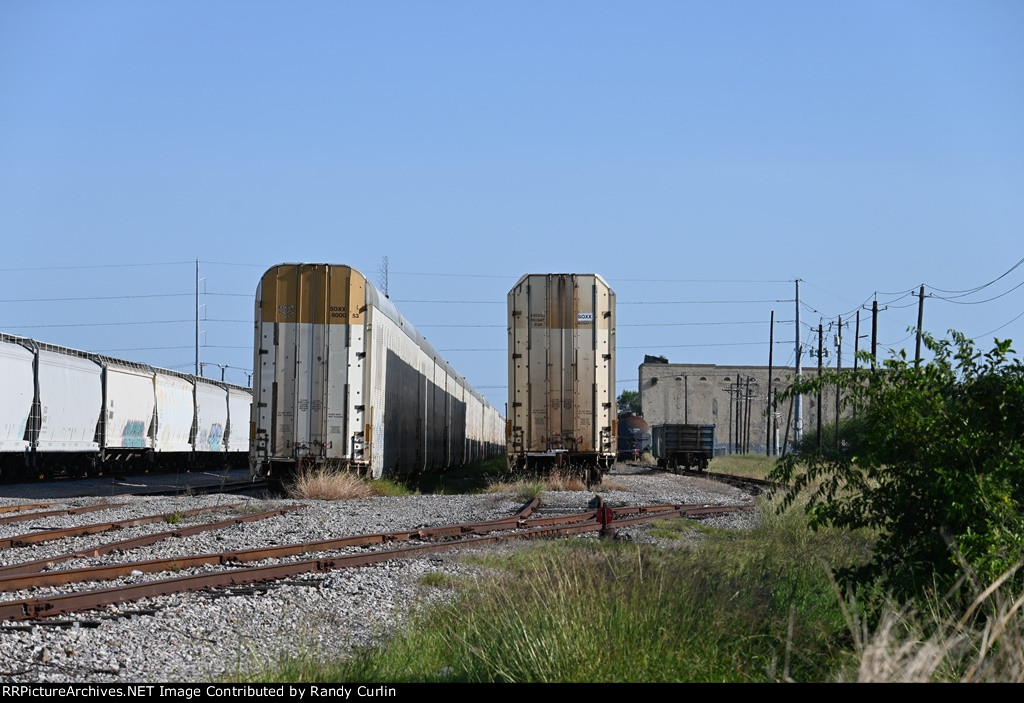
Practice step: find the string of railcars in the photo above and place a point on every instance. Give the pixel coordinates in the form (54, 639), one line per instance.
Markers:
(67, 412)
(561, 375)
(342, 380)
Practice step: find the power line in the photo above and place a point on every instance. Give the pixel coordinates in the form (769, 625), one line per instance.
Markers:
(697, 324)
(472, 326)
(117, 324)
(96, 266)
(698, 302)
(968, 291)
(455, 302)
(696, 280)
(452, 275)
(201, 346)
(985, 334)
(620, 302)
(638, 324)
(117, 297)
(976, 302)
(97, 297)
(99, 324)
(708, 344)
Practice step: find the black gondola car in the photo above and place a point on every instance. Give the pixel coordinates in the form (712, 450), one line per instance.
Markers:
(686, 446)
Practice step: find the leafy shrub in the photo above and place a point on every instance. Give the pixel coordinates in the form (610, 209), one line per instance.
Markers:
(938, 462)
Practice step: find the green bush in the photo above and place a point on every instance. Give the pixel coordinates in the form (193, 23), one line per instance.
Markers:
(937, 467)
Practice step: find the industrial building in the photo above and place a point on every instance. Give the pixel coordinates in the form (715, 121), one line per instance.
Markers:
(733, 398)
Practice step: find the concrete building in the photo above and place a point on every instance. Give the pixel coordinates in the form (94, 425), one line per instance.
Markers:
(734, 399)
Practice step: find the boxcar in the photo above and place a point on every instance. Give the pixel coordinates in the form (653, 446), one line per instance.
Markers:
(343, 380)
(561, 375)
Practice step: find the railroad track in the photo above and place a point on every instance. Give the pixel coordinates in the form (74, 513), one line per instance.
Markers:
(243, 487)
(375, 548)
(755, 486)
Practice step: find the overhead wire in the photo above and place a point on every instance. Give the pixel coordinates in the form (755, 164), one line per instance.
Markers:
(94, 266)
(977, 302)
(968, 291)
(1007, 324)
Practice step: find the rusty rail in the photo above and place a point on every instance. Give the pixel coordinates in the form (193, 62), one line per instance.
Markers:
(51, 513)
(50, 535)
(24, 506)
(60, 604)
(38, 565)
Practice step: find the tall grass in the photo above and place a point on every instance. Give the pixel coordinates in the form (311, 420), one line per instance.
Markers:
(936, 643)
(755, 607)
(749, 465)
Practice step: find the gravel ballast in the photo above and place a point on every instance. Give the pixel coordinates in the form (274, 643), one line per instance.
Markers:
(205, 636)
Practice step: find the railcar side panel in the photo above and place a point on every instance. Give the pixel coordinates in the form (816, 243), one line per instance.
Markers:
(17, 388)
(70, 402)
(129, 402)
(175, 413)
(236, 438)
(211, 417)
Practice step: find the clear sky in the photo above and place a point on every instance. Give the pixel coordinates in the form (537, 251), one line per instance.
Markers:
(690, 152)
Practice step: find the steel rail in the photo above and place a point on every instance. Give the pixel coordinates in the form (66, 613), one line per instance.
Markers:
(24, 506)
(739, 481)
(113, 571)
(34, 567)
(19, 576)
(206, 489)
(96, 527)
(88, 600)
(38, 565)
(51, 513)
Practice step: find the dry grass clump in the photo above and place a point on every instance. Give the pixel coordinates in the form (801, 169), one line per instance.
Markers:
(563, 481)
(983, 644)
(324, 483)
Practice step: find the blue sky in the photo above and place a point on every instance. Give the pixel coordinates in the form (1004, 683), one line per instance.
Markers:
(691, 153)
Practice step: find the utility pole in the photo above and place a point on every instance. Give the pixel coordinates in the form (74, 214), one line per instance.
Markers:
(856, 350)
(771, 347)
(775, 422)
(738, 414)
(874, 333)
(856, 341)
(920, 321)
(731, 402)
(746, 429)
(197, 318)
(839, 366)
(820, 336)
(798, 403)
